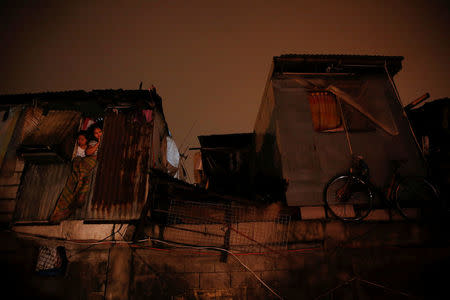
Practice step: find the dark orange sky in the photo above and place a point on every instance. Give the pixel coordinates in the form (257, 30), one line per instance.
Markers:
(209, 59)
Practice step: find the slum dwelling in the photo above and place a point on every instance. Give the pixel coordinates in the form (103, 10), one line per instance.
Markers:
(319, 110)
(299, 140)
(39, 145)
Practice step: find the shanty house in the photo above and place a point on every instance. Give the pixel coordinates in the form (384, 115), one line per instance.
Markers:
(38, 141)
(318, 110)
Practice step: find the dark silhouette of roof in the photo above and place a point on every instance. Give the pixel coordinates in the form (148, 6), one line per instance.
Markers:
(334, 63)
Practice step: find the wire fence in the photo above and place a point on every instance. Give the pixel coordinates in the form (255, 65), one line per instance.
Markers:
(232, 226)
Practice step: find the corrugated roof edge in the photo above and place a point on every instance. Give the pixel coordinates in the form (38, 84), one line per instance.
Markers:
(292, 55)
(107, 95)
(394, 63)
(91, 103)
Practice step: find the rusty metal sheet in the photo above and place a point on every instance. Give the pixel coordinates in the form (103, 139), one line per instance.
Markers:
(52, 128)
(123, 161)
(55, 130)
(39, 189)
(47, 130)
(31, 119)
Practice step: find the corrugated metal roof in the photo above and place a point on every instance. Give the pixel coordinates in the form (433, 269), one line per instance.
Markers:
(320, 63)
(328, 56)
(39, 189)
(77, 96)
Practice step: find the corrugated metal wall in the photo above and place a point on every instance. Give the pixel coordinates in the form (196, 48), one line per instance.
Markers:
(41, 184)
(39, 189)
(119, 182)
(124, 158)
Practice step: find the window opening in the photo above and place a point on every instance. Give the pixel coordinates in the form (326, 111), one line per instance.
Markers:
(326, 115)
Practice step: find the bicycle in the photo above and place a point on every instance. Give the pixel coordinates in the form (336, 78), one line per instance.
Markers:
(350, 197)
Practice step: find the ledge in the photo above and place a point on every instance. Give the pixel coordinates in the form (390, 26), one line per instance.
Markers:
(70, 230)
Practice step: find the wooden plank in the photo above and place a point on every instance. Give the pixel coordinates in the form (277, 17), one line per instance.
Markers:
(14, 179)
(7, 206)
(8, 192)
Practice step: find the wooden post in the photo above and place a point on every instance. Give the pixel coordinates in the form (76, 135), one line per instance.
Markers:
(226, 239)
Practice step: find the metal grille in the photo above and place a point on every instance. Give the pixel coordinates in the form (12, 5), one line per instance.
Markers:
(230, 226)
(48, 258)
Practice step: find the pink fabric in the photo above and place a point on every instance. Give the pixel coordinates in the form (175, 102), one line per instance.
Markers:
(148, 114)
(86, 123)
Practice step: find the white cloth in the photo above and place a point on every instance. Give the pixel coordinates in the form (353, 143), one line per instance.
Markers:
(80, 152)
(173, 156)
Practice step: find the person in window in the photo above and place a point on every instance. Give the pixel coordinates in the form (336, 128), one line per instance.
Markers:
(82, 144)
(78, 184)
(93, 146)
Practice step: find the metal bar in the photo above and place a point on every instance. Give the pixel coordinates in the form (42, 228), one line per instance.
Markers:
(147, 206)
(195, 231)
(417, 101)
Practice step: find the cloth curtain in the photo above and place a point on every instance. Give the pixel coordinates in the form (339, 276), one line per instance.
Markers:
(324, 111)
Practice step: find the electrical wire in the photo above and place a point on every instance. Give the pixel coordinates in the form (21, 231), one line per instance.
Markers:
(227, 251)
(386, 288)
(133, 244)
(356, 278)
(335, 288)
(93, 244)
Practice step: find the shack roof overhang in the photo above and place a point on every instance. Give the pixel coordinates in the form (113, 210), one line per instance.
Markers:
(92, 102)
(323, 64)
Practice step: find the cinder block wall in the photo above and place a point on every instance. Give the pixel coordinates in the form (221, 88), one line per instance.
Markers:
(390, 260)
(293, 276)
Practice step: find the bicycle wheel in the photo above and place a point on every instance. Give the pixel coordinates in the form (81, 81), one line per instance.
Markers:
(348, 198)
(416, 198)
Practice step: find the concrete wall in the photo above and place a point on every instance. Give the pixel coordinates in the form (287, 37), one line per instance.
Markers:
(402, 257)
